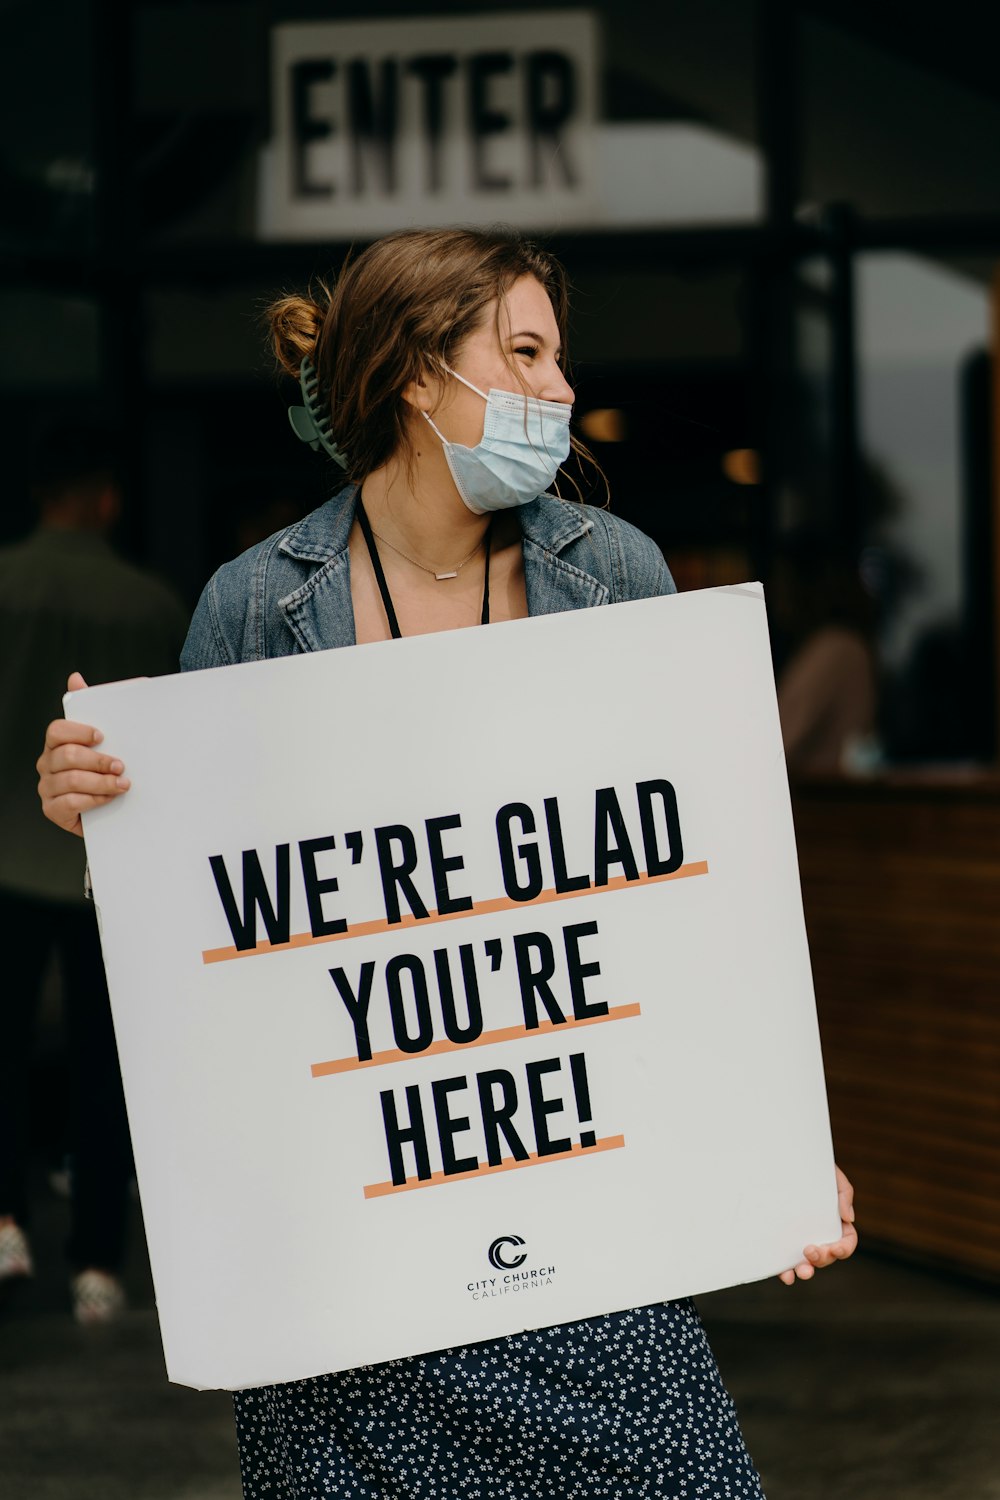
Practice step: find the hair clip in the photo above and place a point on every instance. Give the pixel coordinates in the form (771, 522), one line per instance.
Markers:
(309, 422)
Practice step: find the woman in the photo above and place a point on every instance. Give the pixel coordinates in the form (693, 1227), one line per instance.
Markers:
(425, 351)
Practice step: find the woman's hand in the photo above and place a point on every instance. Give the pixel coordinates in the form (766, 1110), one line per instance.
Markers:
(818, 1256)
(73, 775)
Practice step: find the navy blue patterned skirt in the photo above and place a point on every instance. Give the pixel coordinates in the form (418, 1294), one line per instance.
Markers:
(613, 1408)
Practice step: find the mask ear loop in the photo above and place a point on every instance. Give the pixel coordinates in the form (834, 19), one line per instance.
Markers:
(435, 428)
(467, 382)
(472, 387)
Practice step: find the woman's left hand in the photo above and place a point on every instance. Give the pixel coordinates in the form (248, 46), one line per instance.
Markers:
(818, 1256)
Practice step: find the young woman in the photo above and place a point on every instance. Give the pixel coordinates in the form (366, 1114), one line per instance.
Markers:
(440, 357)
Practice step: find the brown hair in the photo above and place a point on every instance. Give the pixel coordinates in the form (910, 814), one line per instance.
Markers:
(400, 309)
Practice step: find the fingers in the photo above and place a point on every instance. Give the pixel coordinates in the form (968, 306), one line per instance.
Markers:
(820, 1256)
(65, 809)
(845, 1197)
(73, 775)
(82, 783)
(74, 756)
(75, 682)
(817, 1257)
(74, 772)
(845, 1246)
(802, 1272)
(66, 732)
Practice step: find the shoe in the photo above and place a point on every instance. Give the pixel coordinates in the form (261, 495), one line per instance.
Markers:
(98, 1297)
(15, 1253)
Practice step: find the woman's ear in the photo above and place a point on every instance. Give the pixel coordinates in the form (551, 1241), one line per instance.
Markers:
(424, 392)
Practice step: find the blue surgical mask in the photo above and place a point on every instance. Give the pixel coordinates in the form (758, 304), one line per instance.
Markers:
(524, 444)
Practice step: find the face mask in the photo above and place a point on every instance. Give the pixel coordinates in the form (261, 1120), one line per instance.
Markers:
(525, 441)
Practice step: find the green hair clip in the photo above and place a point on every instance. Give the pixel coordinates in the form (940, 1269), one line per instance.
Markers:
(310, 422)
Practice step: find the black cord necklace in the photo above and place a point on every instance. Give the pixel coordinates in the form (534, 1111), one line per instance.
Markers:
(383, 587)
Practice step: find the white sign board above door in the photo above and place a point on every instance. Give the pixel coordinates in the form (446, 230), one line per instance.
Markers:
(380, 124)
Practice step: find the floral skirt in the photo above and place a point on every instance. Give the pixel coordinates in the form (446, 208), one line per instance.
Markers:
(612, 1408)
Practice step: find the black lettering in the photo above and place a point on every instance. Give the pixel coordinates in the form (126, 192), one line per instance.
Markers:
(398, 1135)
(655, 863)
(608, 823)
(550, 89)
(432, 70)
(357, 1005)
(448, 1128)
(541, 1107)
(256, 897)
(306, 128)
(497, 1118)
(374, 120)
(581, 1086)
(440, 864)
(579, 971)
(563, 881)
(484, 120)
(319, 925)
(474, 1025)
(396, 877)
(536, 981)
(408, 963)
(527, 853)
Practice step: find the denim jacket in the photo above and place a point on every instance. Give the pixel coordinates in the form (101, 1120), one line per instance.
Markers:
(293, 592)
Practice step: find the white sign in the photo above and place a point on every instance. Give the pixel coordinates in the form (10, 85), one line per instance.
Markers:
(382, 124)
(460, 984)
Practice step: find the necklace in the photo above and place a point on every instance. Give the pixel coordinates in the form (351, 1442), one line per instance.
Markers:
(452, 573)
(383, 587)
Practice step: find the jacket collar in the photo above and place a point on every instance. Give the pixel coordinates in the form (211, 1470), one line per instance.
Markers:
(320, 612)
(323, 533)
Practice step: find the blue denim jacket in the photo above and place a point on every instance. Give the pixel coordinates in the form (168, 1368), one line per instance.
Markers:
(293, 592)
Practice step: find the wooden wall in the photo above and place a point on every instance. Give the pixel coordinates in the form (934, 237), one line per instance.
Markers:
(901, 887)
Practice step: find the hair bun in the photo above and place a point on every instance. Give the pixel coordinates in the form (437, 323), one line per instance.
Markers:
(295, 324)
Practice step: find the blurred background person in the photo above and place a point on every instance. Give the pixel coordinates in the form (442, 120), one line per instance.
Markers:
(822, 623)
(67, 600)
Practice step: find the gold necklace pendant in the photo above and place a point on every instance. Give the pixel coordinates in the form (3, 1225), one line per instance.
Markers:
(449, 573)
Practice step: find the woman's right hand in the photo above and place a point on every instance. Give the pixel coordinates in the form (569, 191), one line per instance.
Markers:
(73, 775)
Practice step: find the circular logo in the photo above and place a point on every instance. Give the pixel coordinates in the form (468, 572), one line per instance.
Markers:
(496, 1253)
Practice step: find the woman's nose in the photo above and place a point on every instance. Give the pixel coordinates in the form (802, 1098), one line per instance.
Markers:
(556, 387)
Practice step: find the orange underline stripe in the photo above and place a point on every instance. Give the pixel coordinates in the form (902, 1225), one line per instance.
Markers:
(479, 909)
(488, 1038)
(383, 1189)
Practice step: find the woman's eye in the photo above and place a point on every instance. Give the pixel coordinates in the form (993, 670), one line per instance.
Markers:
(528, 350)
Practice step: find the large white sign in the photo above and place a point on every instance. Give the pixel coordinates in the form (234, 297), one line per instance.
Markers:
(381, 124)
(460, 984)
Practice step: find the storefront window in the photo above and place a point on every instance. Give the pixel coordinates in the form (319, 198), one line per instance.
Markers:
(48, 366)
(925, 437)
(46, 127)
(892, 134)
